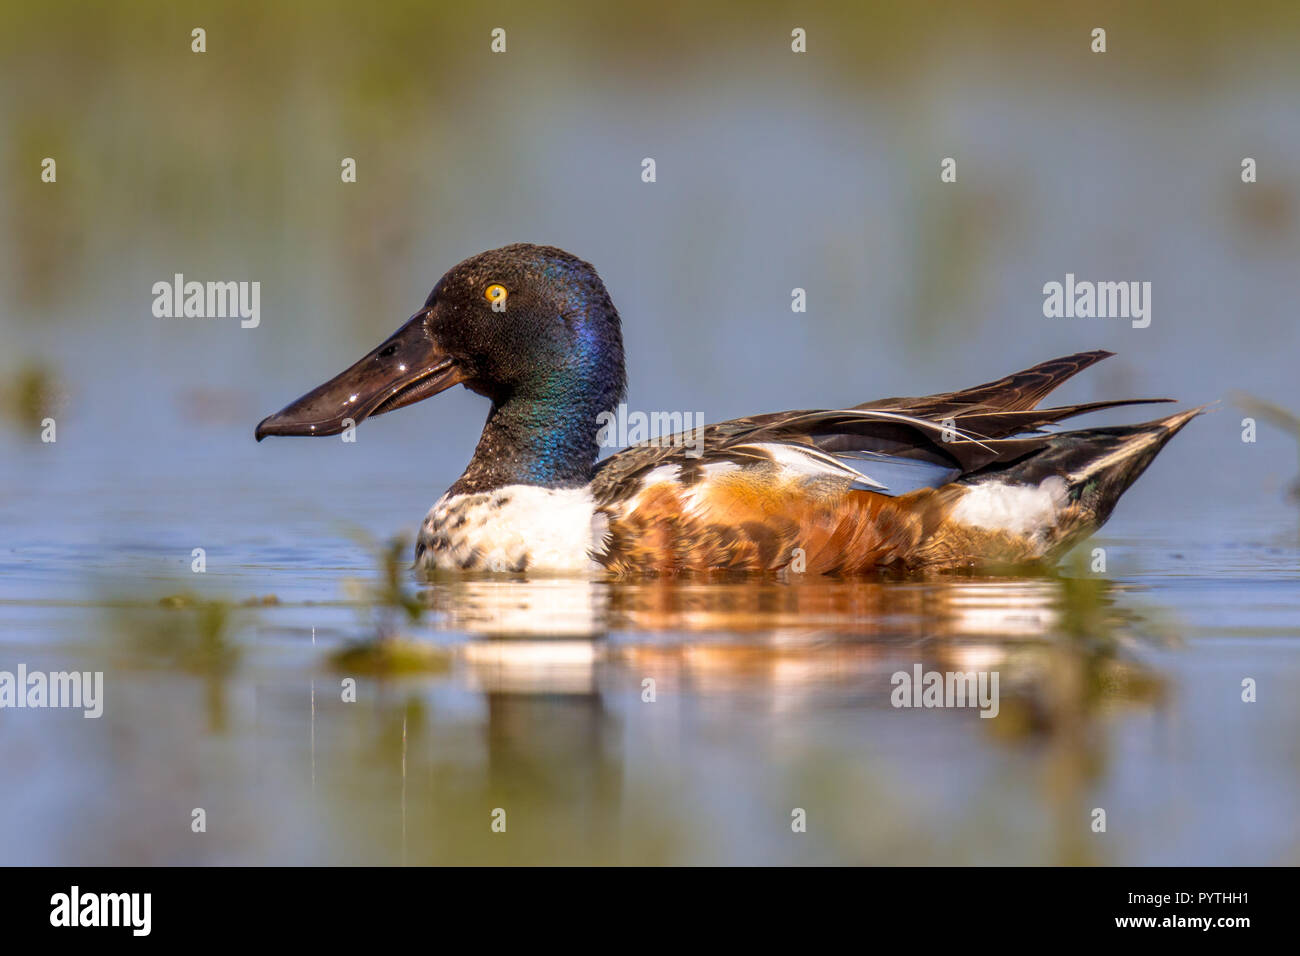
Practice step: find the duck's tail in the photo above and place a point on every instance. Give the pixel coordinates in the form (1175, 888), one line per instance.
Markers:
(1076, 477)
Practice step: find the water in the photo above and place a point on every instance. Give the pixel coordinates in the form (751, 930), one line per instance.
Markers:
(1119, 690)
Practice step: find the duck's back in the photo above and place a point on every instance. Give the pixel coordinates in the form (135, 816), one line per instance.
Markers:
(960, 479)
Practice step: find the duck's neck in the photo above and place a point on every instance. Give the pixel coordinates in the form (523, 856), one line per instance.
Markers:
(542, 439)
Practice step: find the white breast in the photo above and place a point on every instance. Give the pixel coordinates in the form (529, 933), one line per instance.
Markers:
(515, 528)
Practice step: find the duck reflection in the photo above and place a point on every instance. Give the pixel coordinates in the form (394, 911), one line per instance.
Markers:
(502, 606)
(1062, 646)
(563, 738)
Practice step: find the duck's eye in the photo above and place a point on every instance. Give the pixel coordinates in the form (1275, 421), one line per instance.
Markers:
(496, 294)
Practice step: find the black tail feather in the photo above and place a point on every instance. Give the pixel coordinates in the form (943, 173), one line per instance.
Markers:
(1097, 464)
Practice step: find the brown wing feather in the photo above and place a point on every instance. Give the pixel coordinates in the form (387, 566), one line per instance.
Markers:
(1018, 391)
(990, 414)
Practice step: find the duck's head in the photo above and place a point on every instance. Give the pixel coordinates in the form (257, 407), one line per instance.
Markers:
(531, 327)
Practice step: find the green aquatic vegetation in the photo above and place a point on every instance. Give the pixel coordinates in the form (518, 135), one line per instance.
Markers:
(391, 592)
(183, 634)
(390, 656)
(33, 395)
(1085, 602)
(386, 605)
(386, 602)
(186, 633)
(1282, 418)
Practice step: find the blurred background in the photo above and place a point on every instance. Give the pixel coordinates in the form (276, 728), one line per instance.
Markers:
(775, 170)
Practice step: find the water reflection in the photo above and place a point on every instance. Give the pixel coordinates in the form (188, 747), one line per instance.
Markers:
(545, 715)
(647, 721)
(943, 606)
(1061, 642)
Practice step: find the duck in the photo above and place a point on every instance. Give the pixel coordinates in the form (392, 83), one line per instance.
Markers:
(977, 477)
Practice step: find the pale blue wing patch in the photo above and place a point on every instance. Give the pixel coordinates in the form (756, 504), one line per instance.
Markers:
(865, 470)
(897, 475)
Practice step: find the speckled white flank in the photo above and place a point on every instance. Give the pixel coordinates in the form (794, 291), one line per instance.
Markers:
(515, 528)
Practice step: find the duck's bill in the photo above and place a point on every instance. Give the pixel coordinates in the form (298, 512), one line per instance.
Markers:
(407, 367)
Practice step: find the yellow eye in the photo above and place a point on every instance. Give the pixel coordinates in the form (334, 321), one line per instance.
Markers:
(495, 293)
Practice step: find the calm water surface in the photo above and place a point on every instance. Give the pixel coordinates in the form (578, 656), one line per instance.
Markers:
(1119, 690)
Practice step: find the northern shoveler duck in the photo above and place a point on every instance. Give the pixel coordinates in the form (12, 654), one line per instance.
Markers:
(962, 479)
